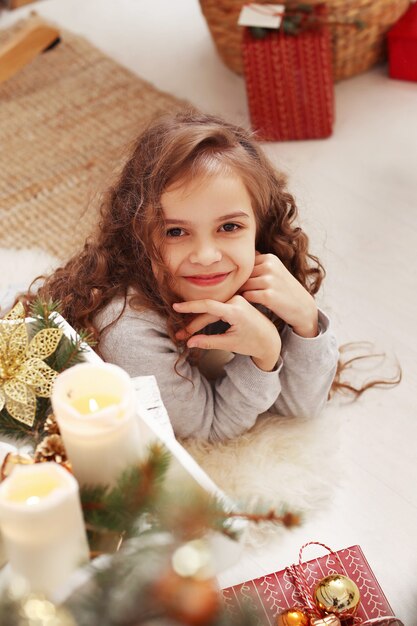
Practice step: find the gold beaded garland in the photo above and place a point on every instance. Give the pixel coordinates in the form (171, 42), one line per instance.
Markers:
(337, 594)
(293, 617)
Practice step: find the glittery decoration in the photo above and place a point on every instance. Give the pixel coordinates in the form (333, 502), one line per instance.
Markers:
(24, 375)
(50, 425)
(51, 449)
(11, 460)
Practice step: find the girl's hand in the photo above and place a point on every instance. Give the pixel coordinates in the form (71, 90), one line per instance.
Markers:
(273, 286)
(250, 332)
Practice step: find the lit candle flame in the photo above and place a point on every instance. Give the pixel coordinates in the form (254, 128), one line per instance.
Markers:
(93, 404)
(32, 500)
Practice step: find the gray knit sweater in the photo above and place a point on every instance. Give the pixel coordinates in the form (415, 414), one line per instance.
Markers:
(229, 405)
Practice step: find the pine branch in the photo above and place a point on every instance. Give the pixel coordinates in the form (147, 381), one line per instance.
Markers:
(11, 428)
(92, 497)
(68, 354)
(44, 313)
(136, 492)
(287, 519)
(193, 513)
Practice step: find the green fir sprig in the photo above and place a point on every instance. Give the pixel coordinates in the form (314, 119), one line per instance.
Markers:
(70, 350)
(301, 18)
(135, 493)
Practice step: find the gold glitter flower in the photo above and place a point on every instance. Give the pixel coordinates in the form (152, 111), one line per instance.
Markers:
(24, 375)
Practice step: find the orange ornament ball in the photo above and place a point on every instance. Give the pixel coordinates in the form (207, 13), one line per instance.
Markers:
(188, 600)
(293, 617)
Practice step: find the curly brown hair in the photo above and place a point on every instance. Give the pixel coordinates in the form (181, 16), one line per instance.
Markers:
(127, 243)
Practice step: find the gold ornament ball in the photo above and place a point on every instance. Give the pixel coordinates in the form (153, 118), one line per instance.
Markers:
(337, 594)
(327, 620)
(293, 617)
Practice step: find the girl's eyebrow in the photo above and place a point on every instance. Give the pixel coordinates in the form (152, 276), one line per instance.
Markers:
(229, 216)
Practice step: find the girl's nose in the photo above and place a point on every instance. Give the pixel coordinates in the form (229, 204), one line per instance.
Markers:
(205, 253)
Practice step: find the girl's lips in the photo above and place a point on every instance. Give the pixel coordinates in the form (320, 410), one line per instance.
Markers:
(207, 279)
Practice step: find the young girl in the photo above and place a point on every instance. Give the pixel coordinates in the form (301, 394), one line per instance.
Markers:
(197, 250)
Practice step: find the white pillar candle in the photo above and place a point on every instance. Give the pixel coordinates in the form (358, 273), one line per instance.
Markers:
(42, 525)
(94, 406)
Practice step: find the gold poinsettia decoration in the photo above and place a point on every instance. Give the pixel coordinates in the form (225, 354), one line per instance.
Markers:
(24, 375)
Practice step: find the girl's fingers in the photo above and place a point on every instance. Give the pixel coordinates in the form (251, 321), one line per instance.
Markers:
(212, 342)
(255, 283)
(260, 267)
(259, 259)
(257, 271)
(201, 321)
(214, 308)
(258, 296)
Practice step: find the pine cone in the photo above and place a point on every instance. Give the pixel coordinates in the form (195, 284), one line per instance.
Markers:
(51, 449)
(51, 425)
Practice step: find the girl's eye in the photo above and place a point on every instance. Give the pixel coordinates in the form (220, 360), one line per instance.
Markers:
(230, 227)
(175, 232)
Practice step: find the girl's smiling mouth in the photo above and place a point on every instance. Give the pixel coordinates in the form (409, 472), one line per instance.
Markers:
(207, 279)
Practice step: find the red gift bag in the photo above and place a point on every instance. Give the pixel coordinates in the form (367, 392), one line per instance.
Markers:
(289, 82)
(402, 46)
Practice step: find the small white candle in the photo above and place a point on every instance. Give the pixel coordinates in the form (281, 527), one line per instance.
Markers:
(94, 406)
(42, 525)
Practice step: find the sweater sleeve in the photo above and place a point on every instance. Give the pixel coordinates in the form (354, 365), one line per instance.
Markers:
(213, 410)
(309, 366)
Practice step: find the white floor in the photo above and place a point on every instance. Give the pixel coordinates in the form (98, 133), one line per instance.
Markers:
(357, 193)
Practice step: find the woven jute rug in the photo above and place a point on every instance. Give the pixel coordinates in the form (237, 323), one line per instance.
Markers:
(66, 120)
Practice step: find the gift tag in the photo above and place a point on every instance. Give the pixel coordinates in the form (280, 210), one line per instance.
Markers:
(261, 15)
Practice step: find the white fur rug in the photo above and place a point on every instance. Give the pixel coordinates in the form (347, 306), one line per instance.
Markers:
(281, 462)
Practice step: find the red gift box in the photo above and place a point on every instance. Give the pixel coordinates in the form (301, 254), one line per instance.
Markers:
(402, 46)
(269, 595)
(289, 82)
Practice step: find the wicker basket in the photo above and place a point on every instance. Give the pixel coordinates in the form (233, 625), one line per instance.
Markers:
(354, 50)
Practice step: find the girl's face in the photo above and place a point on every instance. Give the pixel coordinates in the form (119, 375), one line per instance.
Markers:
(210, 236)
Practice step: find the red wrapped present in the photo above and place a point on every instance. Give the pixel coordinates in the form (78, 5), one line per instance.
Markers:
(402, 46)
(289, 81)
(268, 596)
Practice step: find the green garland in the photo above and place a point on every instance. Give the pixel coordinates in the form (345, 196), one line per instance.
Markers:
(154, 519)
